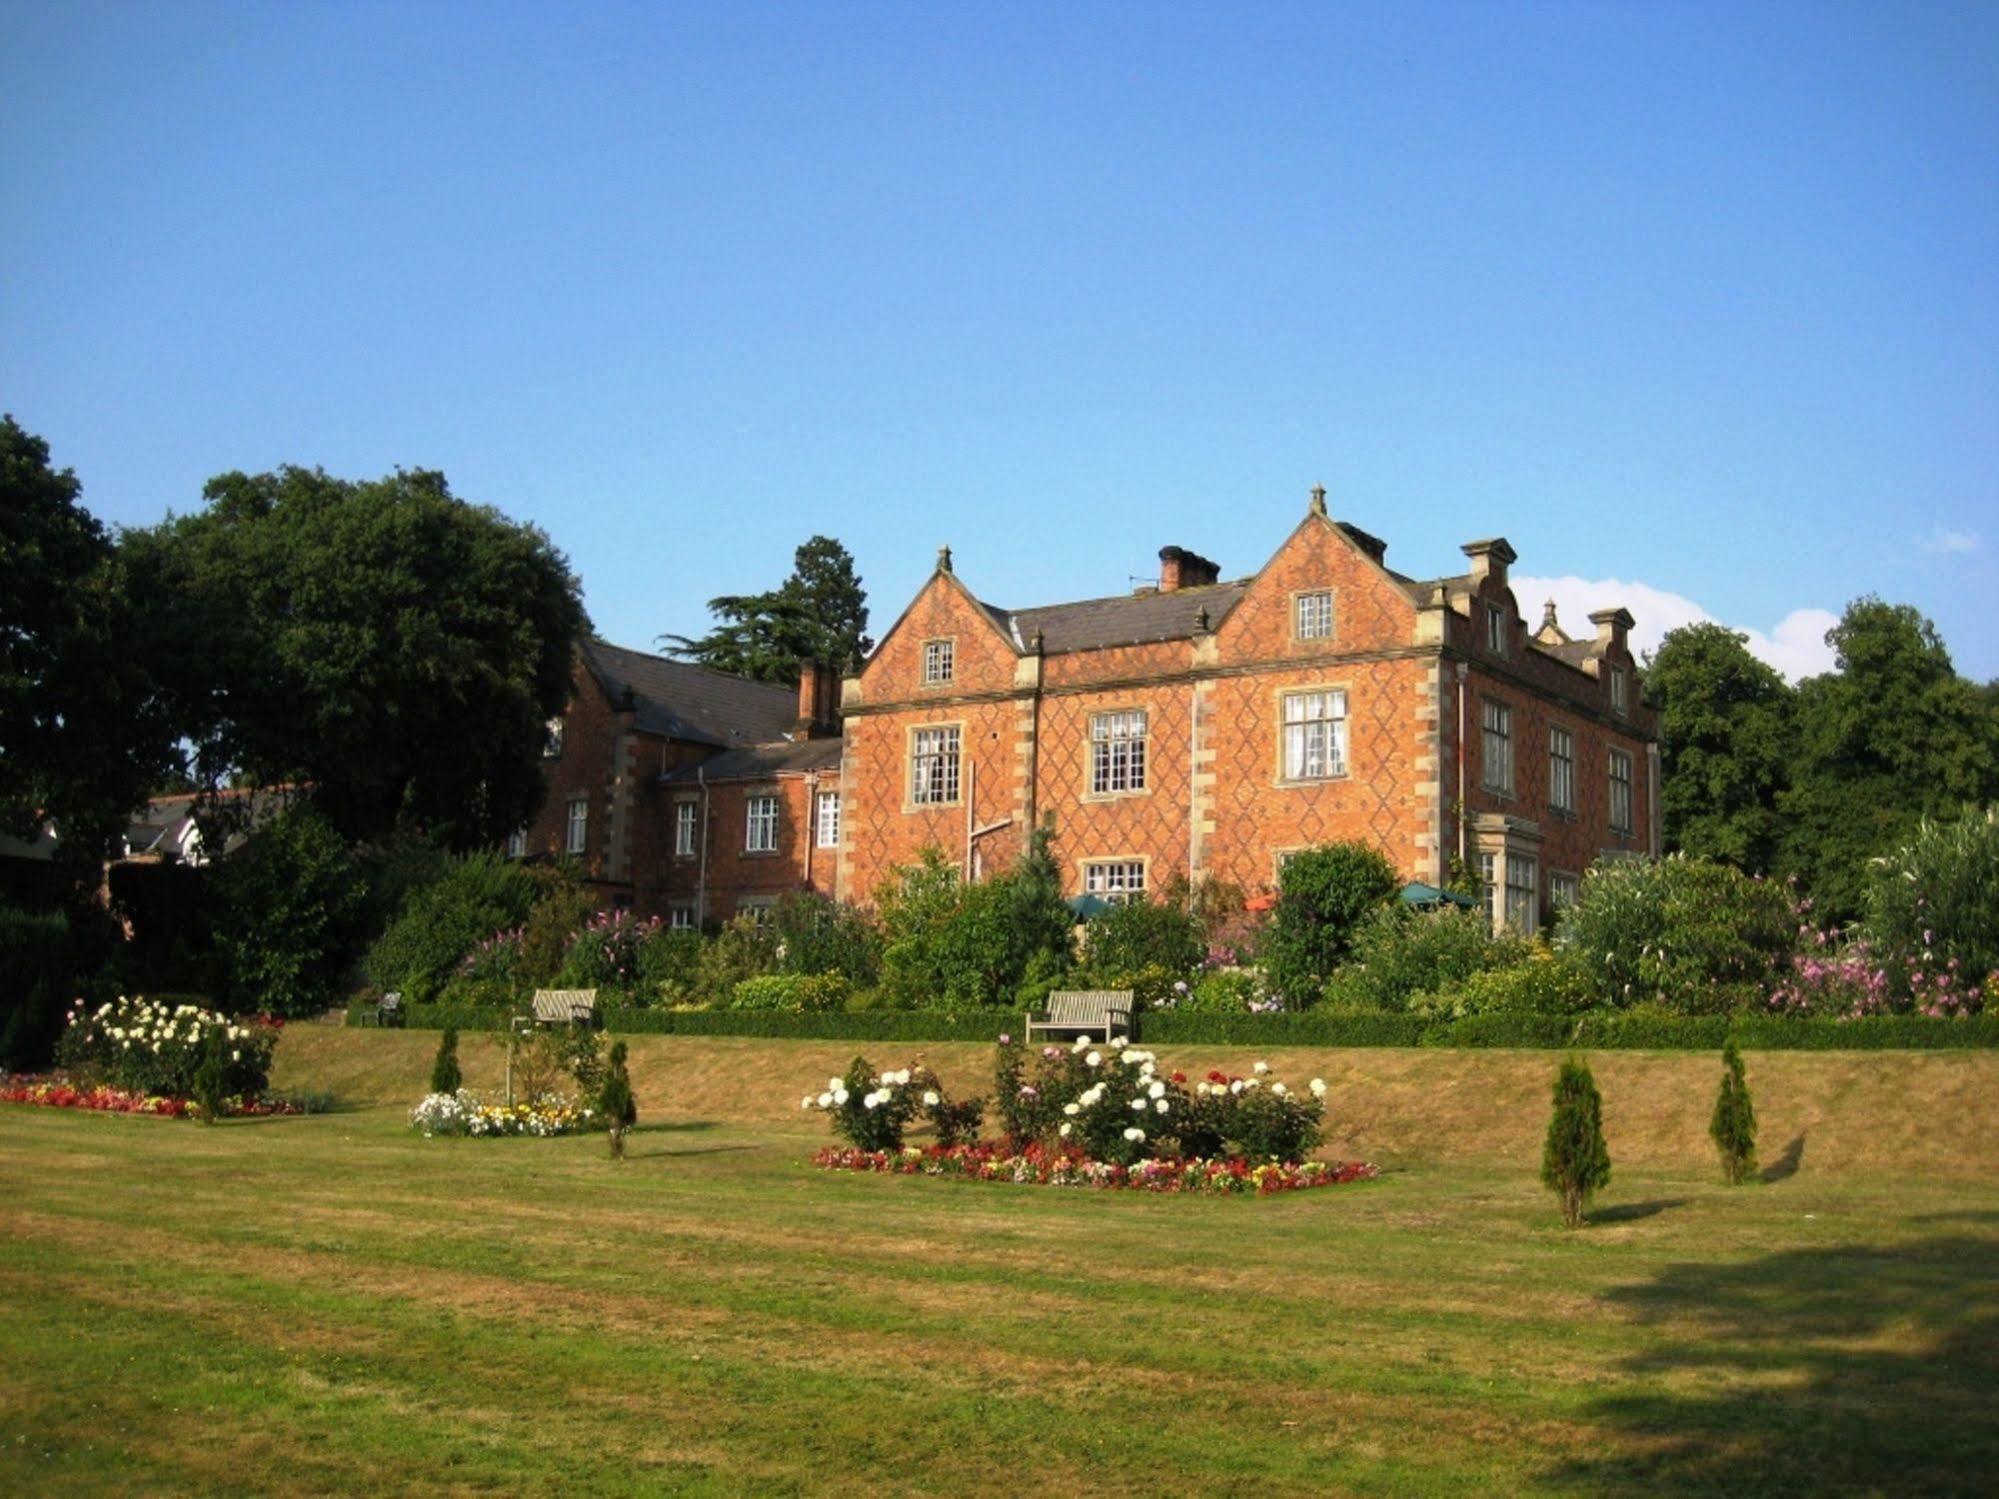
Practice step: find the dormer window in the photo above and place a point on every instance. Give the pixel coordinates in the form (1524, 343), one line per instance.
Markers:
(1312, 617)
(1620, 690)
(938, 661)
(1495, 629)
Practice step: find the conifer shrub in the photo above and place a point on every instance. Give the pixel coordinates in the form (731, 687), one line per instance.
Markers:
(1575, 1162)
(211, 1079)
(615, 1104)
(1733, 1126)
(445, 1076)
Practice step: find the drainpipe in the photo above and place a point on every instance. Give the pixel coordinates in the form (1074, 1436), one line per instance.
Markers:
(701, 880)
(971, 795)
(1464, 845)
(811, 822)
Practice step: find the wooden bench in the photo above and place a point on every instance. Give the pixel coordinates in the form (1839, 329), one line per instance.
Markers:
(565, 1007)
(1096, 1013)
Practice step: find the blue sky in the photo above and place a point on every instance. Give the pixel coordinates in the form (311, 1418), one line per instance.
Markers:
(1694, 303)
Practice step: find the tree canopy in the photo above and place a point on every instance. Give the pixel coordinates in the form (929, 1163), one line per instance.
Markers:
(1724, 726)
(819, 613)
(384, 642)
(83, 736)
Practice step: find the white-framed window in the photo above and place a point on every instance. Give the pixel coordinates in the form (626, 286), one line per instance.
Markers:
(828, 816)
(1620, 690)
(686, 824)
(1313, 616)
(761, 909)
(1561, 769)
(1496, 764)
(1315, 735)
(1495, 629)
(1488, 885)
(680, 918)
(1114, 879)
(939, 660)
(1117, 752)
(551, 744)
(517, 844)
(760, 830)
(933, 766)
(1523, 906)
(1564, 889)
(577, 834)
(1620, 791)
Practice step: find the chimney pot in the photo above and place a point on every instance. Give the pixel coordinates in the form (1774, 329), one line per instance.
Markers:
(1180, 568)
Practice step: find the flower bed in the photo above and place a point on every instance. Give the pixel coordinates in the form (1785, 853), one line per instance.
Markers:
(1038, 1166)
(462, 1113)
(60, 1093)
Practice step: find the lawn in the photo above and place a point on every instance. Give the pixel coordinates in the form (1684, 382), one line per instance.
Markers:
(330, 1304)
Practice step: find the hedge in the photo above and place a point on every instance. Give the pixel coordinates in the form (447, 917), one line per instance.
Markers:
(1324, 1028)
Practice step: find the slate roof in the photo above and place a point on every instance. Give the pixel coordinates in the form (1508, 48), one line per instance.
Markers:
(1123, 619)
(684, 701)
(758, 761)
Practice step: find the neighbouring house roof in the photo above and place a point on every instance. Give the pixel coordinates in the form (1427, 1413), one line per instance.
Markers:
(795, 757)
(684, 701)
(1123, 619)
(169, 824)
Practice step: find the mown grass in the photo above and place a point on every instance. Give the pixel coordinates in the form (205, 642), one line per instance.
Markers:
(330, 1304)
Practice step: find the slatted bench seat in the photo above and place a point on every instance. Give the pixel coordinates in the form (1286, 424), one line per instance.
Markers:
(565, 1007)
(1098, 1013)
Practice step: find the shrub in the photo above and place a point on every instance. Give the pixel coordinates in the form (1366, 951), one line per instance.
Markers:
(615, 1104)
(562, 904)
(38, 974)
(286, 905)
(952, 943)
(1223, 991)
(146, 1046)
(740, 950)
(551, 1056)
(668, 964)
(1733, 1126)
(1696, 936)
(1138, 935)
(1575, 1162)
(445, 1076)
(797, 993)
(818, 935)
(869, 1109)
(1399, 953)
(1323, 895)
(1545, 983)
(605, 953)
(1933, 907)
(477, 895)
(210, 1088)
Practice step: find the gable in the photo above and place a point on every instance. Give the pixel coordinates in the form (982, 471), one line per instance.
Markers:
(983, 657)
(1371, 609)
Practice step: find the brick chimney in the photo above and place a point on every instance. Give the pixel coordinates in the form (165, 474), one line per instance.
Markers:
(818, 700)
(1180, 568)
(1612, 626)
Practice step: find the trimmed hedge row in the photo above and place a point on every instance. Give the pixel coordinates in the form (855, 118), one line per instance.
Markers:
(1313, 1028)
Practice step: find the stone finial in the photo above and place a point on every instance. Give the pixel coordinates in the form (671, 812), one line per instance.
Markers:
(1037, 645)
(1201, 621)
(1548, 616)
(943, 559)
(1318, 505)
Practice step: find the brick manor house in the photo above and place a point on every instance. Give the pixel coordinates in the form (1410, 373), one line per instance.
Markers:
(1195, 728)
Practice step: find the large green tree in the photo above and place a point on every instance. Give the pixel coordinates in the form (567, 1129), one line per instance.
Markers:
(819, 613)
(83, 735)
(1724, 726)
(383, 642)
(1893, 735)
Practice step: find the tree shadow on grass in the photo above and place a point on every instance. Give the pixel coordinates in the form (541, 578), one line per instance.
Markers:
(1631, 1212)
(1814, 1371)
(1786, 1165)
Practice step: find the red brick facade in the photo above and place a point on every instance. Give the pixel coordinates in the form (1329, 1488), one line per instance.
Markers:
(1398, 688)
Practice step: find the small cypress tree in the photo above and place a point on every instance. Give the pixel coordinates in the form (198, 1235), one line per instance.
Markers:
(211, 1077)
(1734, 1124)
(615, 1101)
(444, 1074)
(1575, 1161)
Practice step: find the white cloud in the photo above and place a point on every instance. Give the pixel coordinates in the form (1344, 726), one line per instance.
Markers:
(1952, 543)
(1795, 645)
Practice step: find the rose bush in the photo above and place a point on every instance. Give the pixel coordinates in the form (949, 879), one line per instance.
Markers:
(147, 1047)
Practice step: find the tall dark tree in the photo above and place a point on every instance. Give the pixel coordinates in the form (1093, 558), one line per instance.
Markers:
(1891, 736)
(83, 738)
(1724, 727)
(383, 642)
(819, 613)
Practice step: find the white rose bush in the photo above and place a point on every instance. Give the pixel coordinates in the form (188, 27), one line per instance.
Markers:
(1089, 1114)
(136, 1055)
